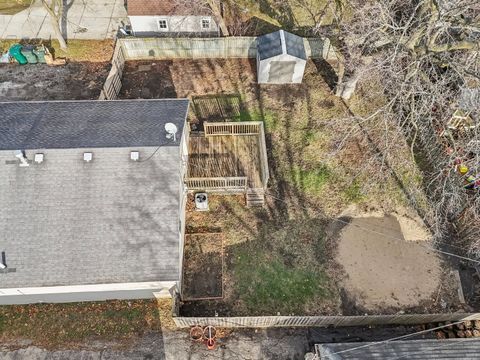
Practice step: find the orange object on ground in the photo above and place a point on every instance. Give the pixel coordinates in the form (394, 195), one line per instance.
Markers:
(211, 344)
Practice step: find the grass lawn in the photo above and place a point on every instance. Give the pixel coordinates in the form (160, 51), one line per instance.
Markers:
(60, 325)
(10, 7)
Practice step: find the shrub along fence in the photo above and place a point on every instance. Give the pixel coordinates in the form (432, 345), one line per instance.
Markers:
(193, 48)
(321, 321)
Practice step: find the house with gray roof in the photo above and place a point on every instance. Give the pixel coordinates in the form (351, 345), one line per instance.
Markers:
(464, 349)
(281, 58)
(92, 199)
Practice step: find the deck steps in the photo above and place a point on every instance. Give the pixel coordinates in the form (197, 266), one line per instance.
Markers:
(255, 197)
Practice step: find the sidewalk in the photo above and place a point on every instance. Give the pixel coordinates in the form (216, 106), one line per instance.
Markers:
(86, 19)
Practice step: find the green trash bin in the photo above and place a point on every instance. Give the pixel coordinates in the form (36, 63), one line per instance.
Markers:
(27, 51)
(40, 53)
(16, 52)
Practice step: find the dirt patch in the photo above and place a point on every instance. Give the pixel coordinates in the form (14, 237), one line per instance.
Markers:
(203, 266)
(382, 269)
(148, 80)
(412, 226)
(74, 81)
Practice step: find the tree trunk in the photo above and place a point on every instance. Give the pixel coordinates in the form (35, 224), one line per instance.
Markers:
(55, 11)
(218, 16)
(58, 33)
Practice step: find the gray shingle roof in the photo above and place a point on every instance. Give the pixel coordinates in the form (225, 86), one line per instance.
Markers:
(113, 220)
(81, 124)
(295, 45)
(466, 349)
(270, 45)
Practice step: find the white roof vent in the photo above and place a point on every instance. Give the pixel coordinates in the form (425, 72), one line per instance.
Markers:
(38, 158)
(134, 155)
(87, 157)
(19, 154)
(171, 130)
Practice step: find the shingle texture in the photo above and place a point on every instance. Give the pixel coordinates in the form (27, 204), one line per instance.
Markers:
(165, 8)
(81, 124)
(270, 45)
(68, 222)
(465, 349)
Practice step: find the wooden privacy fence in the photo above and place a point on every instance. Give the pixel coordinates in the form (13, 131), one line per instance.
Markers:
(189, 48)
(322, 321)
(204, 48)
(113, 84)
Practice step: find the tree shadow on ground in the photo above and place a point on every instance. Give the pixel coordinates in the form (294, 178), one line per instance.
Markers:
(327, 72)
(218, 108)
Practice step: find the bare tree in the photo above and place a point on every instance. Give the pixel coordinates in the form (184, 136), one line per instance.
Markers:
(212, 7)
(55, 11)
(421, 57)
(215, 6)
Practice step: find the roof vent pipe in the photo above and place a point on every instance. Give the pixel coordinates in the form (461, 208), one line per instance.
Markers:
(21, 156)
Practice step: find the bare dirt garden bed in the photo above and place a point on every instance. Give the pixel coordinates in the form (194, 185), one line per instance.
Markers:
(294, 256)
(82, 78)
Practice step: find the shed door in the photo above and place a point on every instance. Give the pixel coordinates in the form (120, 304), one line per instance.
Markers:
(281, 72)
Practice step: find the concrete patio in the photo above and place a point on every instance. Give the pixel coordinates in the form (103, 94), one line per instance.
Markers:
(85, 19)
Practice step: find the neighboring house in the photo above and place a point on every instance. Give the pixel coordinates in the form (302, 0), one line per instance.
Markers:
(461, 349)
(281, 58)
(92, 199)
(170, 18)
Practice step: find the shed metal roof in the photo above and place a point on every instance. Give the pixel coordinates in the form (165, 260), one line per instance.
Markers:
(89, 124)
(295, 45)
(280, 42)
(269, 45)
(466, 349)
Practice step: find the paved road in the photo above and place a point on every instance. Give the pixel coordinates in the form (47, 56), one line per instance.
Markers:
(85, 19)
(245, 344)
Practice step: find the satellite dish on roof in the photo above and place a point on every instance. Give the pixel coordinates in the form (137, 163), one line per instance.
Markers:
(171, 130)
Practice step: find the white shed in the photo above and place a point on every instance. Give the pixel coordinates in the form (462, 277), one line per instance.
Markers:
(281, 58)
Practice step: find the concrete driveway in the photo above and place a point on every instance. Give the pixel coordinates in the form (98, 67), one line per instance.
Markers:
(85, 19)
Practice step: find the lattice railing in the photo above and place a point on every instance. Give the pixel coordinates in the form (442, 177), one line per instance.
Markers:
(232, 128)
(220, 184)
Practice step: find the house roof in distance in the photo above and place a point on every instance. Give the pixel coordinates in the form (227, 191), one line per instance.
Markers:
(166, 8)
(280, 42)
(465, 349)
(89, 124)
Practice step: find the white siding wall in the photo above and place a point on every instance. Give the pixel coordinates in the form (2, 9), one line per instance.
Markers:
(263, 68)
(98, 292)
(176, 24)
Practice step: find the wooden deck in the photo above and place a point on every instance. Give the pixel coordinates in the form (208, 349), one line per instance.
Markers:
(225, 156)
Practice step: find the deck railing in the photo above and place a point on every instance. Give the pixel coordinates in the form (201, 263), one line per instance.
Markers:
(232, 128)
(217, 184)
(264, 158)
